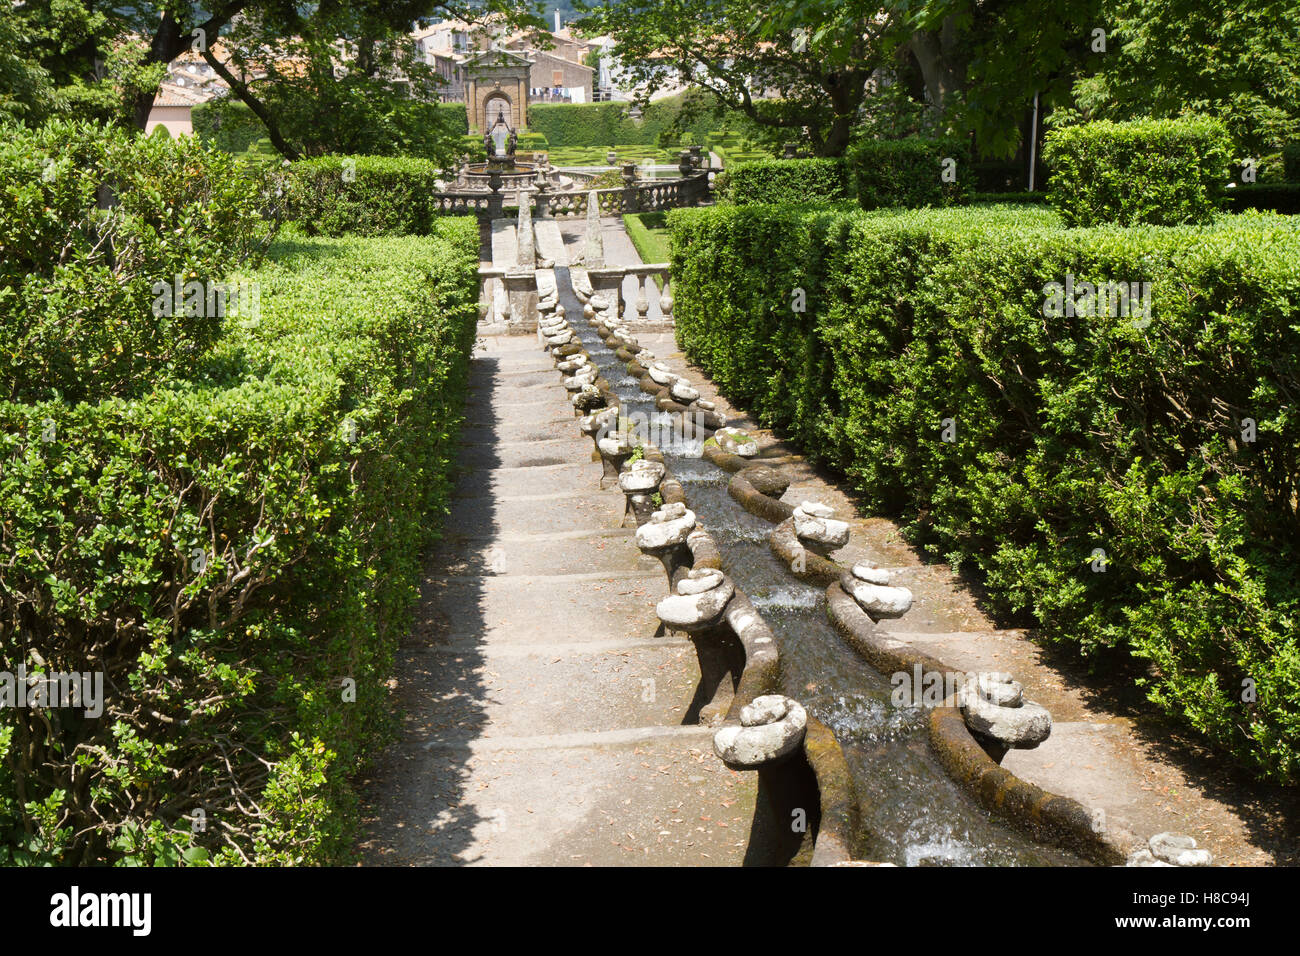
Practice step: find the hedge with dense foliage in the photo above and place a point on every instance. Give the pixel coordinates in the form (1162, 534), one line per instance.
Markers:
(78, 269)
(1162, 172)
(610, 124)
(787, 181)
(1073, 433)
(238, 554)
(910, 172)
(363, 195)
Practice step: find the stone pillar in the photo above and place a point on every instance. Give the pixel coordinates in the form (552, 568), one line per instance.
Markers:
(543, 196)
(495, 204)
(527, 257)
(593, 253)
(630, 203)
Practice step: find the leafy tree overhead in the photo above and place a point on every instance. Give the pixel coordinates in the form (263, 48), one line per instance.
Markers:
(292, 64)
(798, 83)
(1239, 62)
(26, 89)
(819, 68)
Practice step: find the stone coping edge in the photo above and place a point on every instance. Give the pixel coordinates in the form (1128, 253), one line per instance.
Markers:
(1043, 816)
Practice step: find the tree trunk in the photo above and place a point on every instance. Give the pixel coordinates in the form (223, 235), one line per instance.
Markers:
(942, 69)
(166, 45)
(169, 41)
(240, 89)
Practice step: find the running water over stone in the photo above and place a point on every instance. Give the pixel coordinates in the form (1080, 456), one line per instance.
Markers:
(913, 814)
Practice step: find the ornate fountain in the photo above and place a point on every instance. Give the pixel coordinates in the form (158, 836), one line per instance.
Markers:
(500, 142)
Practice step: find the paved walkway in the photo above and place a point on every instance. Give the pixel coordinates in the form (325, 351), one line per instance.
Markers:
(543, 718)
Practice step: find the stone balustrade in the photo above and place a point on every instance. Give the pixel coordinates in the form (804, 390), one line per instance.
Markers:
(634, 196)
(608, 286)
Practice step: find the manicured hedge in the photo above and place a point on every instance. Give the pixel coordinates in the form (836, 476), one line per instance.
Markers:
(231, 552)
(363, 195)
(1164, 172)
(1072, 433)
(1270, 197)
(79, 316)
(909, 172)
(787, 181)
(610, 124)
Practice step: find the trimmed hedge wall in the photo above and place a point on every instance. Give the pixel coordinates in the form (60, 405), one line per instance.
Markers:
(1163, 172)
(232, 553)
(909, 172)
(1072, 433)
(787, 181)
(608, 124)
(363, 195)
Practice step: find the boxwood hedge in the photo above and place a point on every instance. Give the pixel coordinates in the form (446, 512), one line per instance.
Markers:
(787, 181)
(1164, 172)
(237, 554)
(910, 172)
(363, 195)
(1170, 450)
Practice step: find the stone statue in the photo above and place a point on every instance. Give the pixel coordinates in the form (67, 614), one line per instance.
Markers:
(511, 142)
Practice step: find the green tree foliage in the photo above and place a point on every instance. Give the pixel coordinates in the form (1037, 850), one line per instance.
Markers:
(800, 84)
(1236, 61)
(806, 69)
(26, 89)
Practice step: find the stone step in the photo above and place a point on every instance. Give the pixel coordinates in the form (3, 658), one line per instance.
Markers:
(543, 554)
(526, 454)
(655, 799)
(535, 609)
(480, 513)
(552, 474)
(481, 432)
(489, 693)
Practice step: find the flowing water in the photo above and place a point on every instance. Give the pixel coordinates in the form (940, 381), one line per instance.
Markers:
(913, 814)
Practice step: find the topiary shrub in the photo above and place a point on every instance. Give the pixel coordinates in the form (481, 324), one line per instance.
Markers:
(1162, 172)
(363, 195)
(97, 230)
(787, 181)
(911, 172)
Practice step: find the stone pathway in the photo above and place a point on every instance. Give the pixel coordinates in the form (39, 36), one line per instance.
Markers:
(543, 717)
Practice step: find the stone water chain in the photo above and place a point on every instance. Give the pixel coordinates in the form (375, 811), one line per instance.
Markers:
(771, 727)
